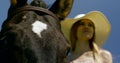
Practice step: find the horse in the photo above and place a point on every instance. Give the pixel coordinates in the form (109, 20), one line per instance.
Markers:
(32, 32)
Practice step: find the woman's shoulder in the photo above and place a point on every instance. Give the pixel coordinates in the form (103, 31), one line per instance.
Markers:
(106, 55)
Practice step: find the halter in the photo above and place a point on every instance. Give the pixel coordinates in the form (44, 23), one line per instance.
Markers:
(33, 8)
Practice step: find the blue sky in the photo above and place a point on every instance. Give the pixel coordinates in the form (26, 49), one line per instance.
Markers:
(109, 7)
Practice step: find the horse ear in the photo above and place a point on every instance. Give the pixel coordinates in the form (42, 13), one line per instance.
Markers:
(13, 2)
(62, 8)
(18, 3)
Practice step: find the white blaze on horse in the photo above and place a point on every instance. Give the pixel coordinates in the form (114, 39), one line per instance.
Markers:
(38, 27)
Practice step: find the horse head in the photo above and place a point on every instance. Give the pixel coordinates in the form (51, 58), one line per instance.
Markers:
(32, 33)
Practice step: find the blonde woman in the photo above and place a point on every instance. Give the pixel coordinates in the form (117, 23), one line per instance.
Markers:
(86, 36)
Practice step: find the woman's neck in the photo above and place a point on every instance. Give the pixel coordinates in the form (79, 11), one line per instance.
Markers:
(81, 47)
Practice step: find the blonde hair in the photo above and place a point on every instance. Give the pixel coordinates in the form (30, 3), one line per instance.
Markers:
(96, 53)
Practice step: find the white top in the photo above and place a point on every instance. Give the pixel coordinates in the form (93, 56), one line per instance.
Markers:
(87, 57)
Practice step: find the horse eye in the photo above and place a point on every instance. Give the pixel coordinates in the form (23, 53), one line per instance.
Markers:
(67, 52)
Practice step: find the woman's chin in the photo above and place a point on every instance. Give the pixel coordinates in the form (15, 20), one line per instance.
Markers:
(88, 36)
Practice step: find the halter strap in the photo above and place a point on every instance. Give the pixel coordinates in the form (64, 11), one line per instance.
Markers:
(33, 8)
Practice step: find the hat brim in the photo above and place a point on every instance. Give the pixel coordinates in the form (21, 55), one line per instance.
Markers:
(102, 26)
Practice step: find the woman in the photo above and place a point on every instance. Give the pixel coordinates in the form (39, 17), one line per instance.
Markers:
(86, 36)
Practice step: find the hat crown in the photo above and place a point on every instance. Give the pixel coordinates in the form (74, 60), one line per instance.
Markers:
(79, 16)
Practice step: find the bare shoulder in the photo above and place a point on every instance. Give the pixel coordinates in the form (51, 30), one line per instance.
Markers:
(106, 55)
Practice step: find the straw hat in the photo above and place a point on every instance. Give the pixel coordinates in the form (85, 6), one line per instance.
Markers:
(102, 26)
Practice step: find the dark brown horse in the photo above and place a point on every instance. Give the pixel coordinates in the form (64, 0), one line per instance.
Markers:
(32, 33)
